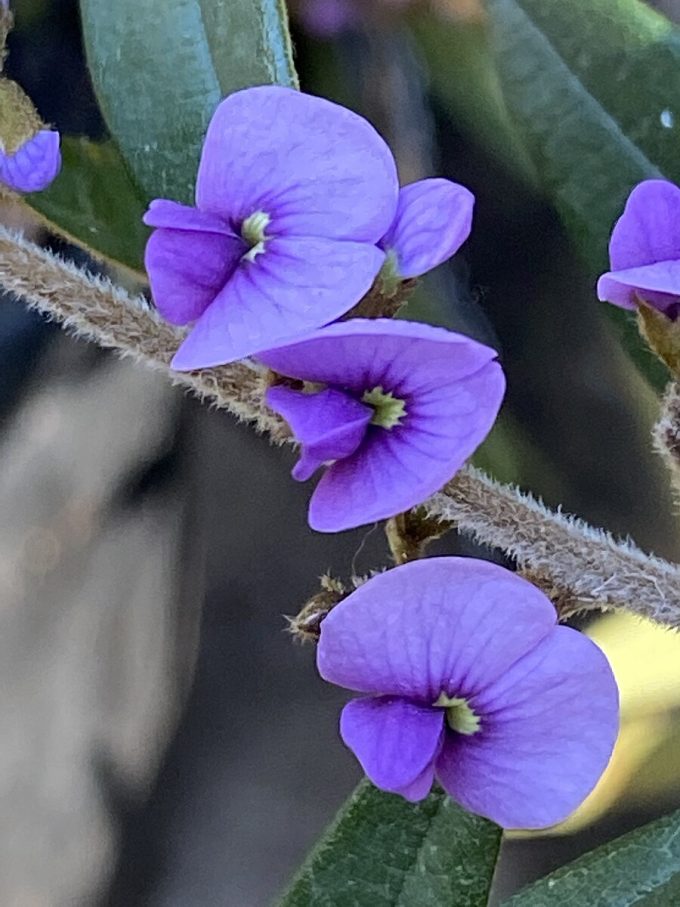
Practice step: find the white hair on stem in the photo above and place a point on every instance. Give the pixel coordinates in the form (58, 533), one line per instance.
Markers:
(580, 567)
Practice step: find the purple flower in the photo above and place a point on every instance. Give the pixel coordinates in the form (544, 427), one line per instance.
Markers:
(34, 164)
(329, 18)
(470, 680)
(433, 220)
(644, 250)
(403, 406)
(293, 194)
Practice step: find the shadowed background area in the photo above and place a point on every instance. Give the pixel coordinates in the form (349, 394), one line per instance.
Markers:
(162, 740)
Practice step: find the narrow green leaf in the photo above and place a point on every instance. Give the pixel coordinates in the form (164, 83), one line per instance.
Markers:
(464, 78)
(94, 202)
(161, 67)
(385, 852)
(641, 868)
(594, 87)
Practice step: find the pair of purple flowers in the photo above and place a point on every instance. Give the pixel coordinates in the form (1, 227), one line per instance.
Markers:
(298, 214)
(468, 679)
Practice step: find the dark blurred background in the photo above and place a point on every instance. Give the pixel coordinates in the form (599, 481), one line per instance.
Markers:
(162, 740)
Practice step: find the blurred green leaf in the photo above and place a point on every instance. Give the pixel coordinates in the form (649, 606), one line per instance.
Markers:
(161, 67)
(95, 203)
(640, 868)
(464, 79)
(385, 852)
(594, 88)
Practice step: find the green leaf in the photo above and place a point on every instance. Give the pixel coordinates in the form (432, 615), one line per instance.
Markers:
(385, 852)
(94, 202)
(464, 79)
(640, 868)
(594, 88)
(160, 68)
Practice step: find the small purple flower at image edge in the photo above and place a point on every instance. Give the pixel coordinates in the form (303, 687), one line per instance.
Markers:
(34, 165)
(644, 251)
(467, 678)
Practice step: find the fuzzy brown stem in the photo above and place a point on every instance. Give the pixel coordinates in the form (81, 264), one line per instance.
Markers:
(580, 564)
(666, 433)
(577, 562)
(93, 308)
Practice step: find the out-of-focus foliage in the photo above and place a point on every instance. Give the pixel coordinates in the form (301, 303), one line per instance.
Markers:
(593, 88)
(642, 868)
(464, 78)
(385, 852)
(160, 68)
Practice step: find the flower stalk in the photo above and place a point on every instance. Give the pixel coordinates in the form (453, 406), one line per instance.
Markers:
(584, 567)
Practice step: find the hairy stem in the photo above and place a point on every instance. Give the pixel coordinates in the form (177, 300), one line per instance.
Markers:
(580, 567)
(585, 568)
(93, 308)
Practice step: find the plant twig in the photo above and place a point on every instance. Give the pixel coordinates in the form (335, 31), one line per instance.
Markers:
(587, 568)
(94, 309)
(575, 563)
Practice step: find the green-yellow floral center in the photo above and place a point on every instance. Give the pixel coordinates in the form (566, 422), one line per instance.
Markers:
(389, 277)
(460, 716)
(388, 410)
(252, 231)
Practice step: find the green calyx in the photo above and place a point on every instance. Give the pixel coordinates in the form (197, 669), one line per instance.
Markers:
(388, 410)
(460, 716)
(19, 120)
(252, 231)
(389, 279)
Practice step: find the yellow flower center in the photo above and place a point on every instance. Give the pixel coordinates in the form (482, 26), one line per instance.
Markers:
(252, 231)
(460, 716)
(388, 410)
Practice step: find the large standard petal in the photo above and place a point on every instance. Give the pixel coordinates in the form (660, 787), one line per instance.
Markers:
(405, 357)
(187, 269)
(445, 624)
(329, 425)
(34, 165)
(296, 285)
(314, 167)
(395, 741)
(649, 228)
(433, 220)
(396, 469)
(658, 284)
(548, 728)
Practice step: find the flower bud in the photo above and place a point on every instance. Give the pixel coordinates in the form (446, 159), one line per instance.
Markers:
(29, 153)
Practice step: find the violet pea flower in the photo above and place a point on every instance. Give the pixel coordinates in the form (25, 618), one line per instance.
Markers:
(292, 197)
(403, 405)
(467, 678)
(644, 251)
